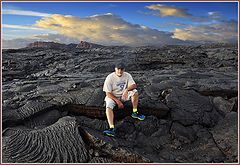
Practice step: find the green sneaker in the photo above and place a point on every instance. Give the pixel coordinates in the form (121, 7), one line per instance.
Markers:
(138, 116)
(109, 132)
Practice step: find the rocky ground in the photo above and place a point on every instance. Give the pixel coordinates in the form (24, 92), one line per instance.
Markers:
(53, 109)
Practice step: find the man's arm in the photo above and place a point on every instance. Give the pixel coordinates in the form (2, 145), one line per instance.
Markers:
(131, 83)
(131, 87)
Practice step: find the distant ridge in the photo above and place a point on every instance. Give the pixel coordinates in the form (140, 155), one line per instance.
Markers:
(84, 44)
(40, 44)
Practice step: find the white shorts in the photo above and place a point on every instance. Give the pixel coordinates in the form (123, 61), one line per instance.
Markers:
(111, 103)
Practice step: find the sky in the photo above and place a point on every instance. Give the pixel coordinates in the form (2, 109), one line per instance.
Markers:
(119, 23)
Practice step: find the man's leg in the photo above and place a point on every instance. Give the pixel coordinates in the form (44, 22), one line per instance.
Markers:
(134, 100)
(110, 117)
(135, 114)
(110, 104)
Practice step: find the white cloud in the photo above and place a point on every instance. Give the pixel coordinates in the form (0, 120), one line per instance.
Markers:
(21, 27)
(24, 12)
(20, 31)
(165, 10)
(226, 31)
(106, 29)
(214, 15)
(98, 15)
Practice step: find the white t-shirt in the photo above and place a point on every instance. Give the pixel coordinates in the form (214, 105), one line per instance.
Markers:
(116, 85)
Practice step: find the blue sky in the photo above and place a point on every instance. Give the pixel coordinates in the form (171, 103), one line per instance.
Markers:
(176, 20)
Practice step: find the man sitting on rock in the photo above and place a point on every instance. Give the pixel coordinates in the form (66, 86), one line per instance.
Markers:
(119, 87)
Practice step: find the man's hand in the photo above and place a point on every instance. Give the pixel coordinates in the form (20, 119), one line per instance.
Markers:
(125, 95)
(120, 104)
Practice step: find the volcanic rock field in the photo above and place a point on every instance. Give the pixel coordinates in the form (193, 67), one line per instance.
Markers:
(53, 105)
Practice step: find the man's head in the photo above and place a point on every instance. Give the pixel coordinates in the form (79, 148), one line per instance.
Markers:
(119, 69)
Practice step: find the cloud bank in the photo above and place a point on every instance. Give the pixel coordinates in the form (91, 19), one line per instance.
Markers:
(226, 31)
(107, 29)
(110, 29)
